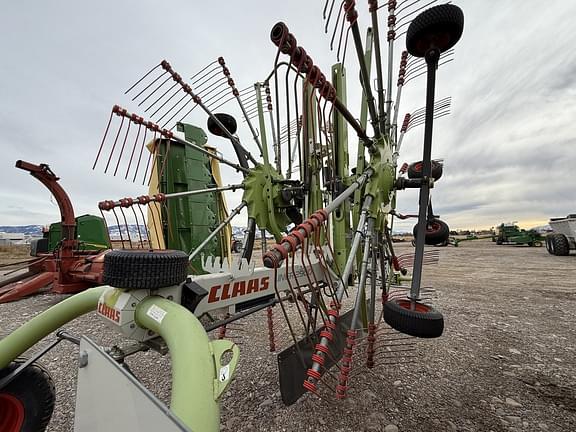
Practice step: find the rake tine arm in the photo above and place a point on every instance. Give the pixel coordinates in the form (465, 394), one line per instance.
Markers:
(170, 135)
(287, 44)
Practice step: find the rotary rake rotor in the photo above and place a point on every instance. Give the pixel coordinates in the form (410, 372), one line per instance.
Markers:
(348, 301)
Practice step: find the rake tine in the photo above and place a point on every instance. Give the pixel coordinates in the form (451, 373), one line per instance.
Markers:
(149, 85)
(118, 226)
(138, 227)
(207, 73)
(166, 101)
(122, 149)
(330, 15)
(336, 25)
(145, 225)
(127, 227)
(161, 96)
(207, 82)
(133, 150)
(150, 156)
(424, 71)
(412, 12)
(391, 363)
(208, 102)
(251, 106)
(151, 208)
(177, 112)
(140, 155)
(202, 70)
(326, 7)
(103, 139)
(142, 79)
(154, 91)
(114, 145)
(214, 86)
(223, 103)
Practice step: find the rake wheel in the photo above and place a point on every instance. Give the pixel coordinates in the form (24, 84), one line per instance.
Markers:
(437, 231)
(414, 318)
(439, 27)
(415, 170)
(27, 402)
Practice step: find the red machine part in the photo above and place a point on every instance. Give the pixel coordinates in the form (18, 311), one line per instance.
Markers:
(68, 269)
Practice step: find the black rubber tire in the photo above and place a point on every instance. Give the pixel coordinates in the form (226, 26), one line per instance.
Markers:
(424, 322)
(438, 27)
(437, 232)
(149, 269)
(557, 244)
(34, 391)
(549, 246)
(499, 240)
(415, 170)
(236, 246)
(227, 120)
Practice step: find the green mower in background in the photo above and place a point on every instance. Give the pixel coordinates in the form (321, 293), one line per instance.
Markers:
(510, 233)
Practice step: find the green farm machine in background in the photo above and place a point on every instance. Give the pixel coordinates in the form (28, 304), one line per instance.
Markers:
(90, 232)
(189, 220)
(510, 233)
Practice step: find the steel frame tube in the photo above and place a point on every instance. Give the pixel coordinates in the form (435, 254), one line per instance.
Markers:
(360, 292)
(212, 155)
(188, 193)
(219, 228)
(252, 130)
(346, 273)
(432, 62)
(193, 365)
(365, 78)
(359, 182)
(379, 77)
(373, 276)
(23, 338)
(354, 248)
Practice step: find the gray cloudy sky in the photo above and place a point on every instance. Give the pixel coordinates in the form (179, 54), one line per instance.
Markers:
(509, 146)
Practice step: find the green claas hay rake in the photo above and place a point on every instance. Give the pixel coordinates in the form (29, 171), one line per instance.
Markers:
(349, 303)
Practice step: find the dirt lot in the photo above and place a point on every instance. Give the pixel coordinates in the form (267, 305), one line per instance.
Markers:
(507, 360)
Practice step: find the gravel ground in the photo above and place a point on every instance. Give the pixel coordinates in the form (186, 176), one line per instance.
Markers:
(505, 363)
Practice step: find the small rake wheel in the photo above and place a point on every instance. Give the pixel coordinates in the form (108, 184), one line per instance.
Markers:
(413, 318)
(437, 232)
(149, 269)
(27, 402)
(415, 170)
(439, 27)
(227, 120)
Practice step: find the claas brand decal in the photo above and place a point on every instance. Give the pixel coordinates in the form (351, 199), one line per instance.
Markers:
(237, 289)
(108, 312)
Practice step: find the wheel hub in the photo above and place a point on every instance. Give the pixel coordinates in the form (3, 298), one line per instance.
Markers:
(11, 413)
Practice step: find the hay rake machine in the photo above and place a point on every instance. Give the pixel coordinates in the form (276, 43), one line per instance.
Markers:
(348, 301)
